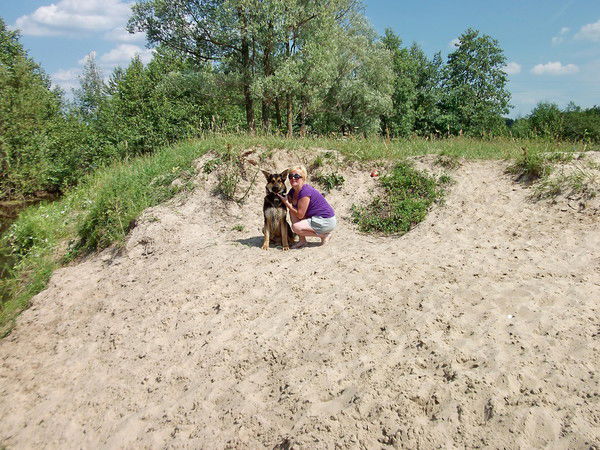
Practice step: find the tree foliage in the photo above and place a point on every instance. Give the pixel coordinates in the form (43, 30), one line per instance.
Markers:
(572, 123)
(275, 48)
(416, 89)
(31, 124)
(474, 82)
(288, 66)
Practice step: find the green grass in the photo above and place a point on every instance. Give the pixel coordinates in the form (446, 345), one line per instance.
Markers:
(105, 205)
(97, 214)
(530, 166)
(408, 194)
(329, 181)
(580, 181)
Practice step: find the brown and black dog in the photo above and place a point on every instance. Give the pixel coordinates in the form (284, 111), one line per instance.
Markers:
(276, 228)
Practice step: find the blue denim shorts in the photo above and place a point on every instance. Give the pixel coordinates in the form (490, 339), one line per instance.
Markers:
(322, 225)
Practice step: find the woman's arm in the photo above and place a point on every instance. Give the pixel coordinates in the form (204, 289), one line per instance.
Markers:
(300, 211)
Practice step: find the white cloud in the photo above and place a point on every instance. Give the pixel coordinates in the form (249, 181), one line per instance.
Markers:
(123, 53)
(454, 43)
(122, 35)
(68, 79)
(561, 36)
(554, 68)
(68, 17)
(512, 68)
(589, 32)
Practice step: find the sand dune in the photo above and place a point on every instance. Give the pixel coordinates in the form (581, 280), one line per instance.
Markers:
(480, 327)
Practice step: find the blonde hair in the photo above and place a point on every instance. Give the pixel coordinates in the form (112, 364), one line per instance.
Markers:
(301, 170)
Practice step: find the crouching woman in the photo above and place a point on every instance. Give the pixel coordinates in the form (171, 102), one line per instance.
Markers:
(311, 214)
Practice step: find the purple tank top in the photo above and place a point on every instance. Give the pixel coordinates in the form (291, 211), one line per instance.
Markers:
(318, 206)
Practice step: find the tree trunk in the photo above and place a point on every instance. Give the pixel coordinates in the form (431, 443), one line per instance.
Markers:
(266, 121)
(290, 116)
(278, 114)
(246, 73)
(268, 71)
(304, 101)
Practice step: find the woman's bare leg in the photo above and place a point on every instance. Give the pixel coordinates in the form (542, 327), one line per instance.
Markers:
(302, 229)
(325, 238)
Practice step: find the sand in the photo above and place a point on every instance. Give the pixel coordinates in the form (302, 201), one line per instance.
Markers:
(478, 328)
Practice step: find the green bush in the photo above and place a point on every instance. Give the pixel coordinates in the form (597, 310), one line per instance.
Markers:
(329, 181)
(408, 194)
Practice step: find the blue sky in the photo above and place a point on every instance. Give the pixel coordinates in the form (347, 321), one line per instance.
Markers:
(552, 46)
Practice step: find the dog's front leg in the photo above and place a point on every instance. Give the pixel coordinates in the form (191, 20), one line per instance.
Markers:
(267, 235)
(284, 235)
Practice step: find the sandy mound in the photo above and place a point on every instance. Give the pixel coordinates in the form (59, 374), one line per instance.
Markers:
(480, 327)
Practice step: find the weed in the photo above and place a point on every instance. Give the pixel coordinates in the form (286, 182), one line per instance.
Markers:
(560, 157)
(447, 160)
(230, 172)
(329, 181)
(530, 166)
(580, 182)
(227, 184)
(317, 163)
(210, 165)
(238, 227)
(408, 194)
(445, 180)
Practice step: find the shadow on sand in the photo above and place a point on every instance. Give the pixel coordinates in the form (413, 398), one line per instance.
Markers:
(251, 242)
(258, 240)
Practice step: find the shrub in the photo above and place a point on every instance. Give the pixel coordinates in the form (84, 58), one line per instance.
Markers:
(447, 160)
(329, 181)
(530, 166)
(408, 194)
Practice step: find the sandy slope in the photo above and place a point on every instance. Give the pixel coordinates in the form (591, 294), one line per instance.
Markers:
(481, 327)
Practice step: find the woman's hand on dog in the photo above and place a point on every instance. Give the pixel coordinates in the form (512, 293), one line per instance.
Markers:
(285, 201)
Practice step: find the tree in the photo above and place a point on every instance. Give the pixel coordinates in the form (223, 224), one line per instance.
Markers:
(254, 39)
(92, 90)
(28, 112)
(205, 30)
(546, 119)
(360, 92)
(475, 85)
(416, 89)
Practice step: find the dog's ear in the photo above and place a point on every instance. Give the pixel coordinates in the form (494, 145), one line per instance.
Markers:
(284, 174)
(266, 174)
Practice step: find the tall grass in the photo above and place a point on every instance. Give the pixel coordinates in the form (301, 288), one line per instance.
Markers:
(102, 209)
(93, 216)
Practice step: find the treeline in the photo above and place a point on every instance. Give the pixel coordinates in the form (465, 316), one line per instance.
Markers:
(271, 66)
(547, 120)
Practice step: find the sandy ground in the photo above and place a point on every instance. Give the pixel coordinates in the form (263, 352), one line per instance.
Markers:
(479, 328)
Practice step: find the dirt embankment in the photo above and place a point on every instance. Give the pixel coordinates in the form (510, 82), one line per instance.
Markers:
(480, 327)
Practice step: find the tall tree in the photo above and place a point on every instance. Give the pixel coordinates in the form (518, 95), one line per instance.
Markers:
(28, 112)
(416, 89)
(252, 38)
(475, 83)
(92, 90)
(206, 30)
(360, 92)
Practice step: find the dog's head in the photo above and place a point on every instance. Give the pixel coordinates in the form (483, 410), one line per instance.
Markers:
(276, 182)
